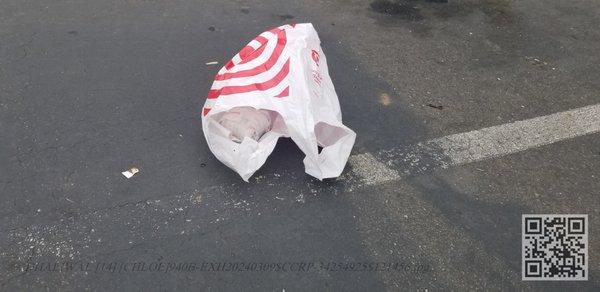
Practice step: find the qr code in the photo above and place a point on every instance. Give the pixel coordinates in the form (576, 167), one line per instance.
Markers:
(555, 247)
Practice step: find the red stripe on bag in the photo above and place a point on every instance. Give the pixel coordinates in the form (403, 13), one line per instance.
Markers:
(205, 111)
(229, 65)
(253, 54)
(281, 41)
(214, 93)
(284, 93)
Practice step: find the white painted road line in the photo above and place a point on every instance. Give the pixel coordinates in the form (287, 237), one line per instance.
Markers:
(476, 145)
(370, 170)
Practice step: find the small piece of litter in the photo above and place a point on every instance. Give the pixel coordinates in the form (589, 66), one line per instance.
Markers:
(385, 99)
(130, 172)
(212, 63)
(439, 107)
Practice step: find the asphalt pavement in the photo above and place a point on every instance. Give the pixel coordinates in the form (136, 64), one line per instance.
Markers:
(89, 89)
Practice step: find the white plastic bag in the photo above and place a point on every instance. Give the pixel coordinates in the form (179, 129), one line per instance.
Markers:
(284, 72)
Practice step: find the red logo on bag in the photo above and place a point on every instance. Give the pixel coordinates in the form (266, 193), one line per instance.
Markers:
(315, 56)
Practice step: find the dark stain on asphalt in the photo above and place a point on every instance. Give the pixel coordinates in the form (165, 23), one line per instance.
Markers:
(285, 16)
(411, 12)
(400, 10)
(211, 28)
(73, 32)
(245, 10)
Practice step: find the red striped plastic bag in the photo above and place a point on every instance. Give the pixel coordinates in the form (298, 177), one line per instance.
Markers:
(284, 72)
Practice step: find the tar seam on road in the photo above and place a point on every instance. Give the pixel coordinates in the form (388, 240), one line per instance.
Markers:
(482, 144)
